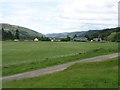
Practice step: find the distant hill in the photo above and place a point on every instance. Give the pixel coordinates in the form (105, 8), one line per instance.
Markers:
(57, 35)
(71, 34)
(103, 32)
(110, 34)
(62, 35)
(25, 33)
(108, 31)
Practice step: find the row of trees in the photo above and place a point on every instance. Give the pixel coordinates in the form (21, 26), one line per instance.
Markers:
(42, 38)
(68, 38)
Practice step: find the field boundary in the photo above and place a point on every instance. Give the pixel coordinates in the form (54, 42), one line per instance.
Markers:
(57, 68)
(52, 57)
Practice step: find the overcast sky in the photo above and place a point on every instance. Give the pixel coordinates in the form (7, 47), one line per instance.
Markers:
(55, 16)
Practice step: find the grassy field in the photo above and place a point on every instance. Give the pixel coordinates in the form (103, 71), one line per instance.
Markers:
(27, 56)
(81, 75)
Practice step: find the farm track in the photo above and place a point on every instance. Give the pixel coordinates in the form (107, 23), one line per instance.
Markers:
(57, 68)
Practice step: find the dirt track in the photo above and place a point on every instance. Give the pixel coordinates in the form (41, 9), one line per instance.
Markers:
(56, 68)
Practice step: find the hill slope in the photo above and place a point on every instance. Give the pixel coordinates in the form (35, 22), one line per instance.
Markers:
(62, 35)
(78, 33)
(104, 32)
(25, 33)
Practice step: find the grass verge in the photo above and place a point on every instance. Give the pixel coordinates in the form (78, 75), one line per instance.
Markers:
(81, 75)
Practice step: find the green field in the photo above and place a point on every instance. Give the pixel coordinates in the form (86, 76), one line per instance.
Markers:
(81, 75)
(27, 56)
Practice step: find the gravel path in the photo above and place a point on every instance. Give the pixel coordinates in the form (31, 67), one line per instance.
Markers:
(56, 68)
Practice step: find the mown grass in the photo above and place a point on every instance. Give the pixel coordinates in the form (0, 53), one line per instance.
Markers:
(81, 75)
(27, 56)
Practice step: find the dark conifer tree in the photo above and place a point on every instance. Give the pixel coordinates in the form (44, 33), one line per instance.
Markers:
(3, 34)
(17, 34)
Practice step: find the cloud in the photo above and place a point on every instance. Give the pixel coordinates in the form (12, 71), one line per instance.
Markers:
(52, 16)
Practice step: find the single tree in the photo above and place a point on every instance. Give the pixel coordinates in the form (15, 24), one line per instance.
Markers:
(74, 36)
(17, 34)
(3, 34)
(68, 38)
(10, 35)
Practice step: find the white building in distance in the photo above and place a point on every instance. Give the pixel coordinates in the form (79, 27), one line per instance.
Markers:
(36, 40)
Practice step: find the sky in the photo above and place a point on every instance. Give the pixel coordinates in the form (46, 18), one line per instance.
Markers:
(56, 16)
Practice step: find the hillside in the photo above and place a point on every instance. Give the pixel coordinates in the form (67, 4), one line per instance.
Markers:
(56, 35)
(78, 33)
(111, 34)
(25, 33)
(62, 35)
(103, 32)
